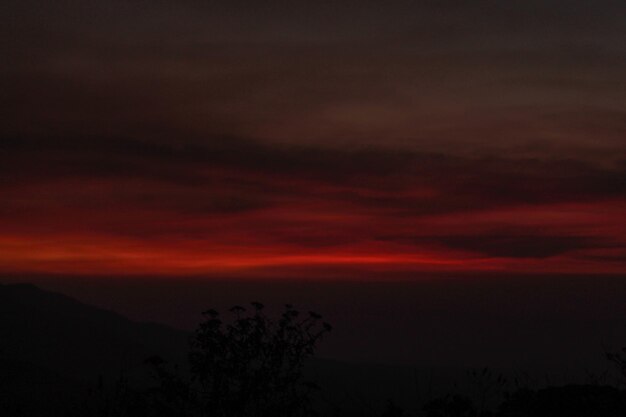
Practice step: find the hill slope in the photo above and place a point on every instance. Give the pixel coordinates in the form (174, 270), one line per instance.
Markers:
(59, 333)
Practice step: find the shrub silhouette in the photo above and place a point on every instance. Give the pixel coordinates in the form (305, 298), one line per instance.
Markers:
(566, 401)
(619, 360)
(451, 406)
(252, 366)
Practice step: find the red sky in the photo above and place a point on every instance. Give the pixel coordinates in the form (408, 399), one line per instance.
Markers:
(322, 141)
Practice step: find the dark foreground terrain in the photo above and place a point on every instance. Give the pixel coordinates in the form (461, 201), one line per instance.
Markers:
(59, 357)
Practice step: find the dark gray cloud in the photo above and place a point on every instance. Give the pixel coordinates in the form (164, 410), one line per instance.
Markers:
(441, 76)
(509, 244)
(230, 174)
(519, 246)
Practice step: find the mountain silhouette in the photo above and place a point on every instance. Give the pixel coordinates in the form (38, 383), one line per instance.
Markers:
(54, 348)
(80, 341)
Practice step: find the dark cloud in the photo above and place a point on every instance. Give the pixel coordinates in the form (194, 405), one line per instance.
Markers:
(616, 258)
(236, 174)
(510, 244)
(519, 246)
(443, 76)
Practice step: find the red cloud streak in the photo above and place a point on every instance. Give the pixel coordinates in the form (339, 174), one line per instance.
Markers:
(247, 208)
(86, 228)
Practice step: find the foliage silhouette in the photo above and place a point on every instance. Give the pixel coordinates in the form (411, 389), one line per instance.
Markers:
(619, 360)
(566, 401)
(451, 406)
(392, 410)
(252, 366)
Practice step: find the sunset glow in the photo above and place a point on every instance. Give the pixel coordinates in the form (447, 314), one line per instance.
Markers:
(415, 137)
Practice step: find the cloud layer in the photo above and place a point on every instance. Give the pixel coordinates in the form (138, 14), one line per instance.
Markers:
(243, 204)
(209, 137)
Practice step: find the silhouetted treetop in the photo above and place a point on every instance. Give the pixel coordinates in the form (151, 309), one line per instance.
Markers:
(252, 364)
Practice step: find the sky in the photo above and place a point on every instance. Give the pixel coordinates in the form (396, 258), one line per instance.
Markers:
(317, 140)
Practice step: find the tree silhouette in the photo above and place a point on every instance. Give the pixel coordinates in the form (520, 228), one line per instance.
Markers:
(451, 406)
(252, 366)
(619, 360)
(565, 401)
